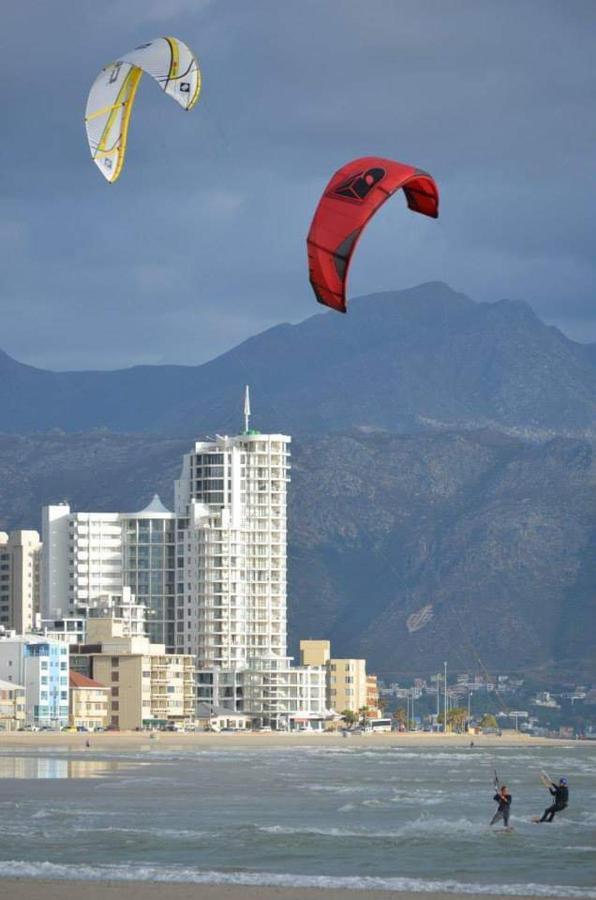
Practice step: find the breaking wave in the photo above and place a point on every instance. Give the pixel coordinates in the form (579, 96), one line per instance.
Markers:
(16, 869)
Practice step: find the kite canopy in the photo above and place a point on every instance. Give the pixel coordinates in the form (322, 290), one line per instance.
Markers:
(351, 198)
(109, 105)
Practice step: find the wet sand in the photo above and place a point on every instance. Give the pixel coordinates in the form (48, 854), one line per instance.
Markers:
(24, 889)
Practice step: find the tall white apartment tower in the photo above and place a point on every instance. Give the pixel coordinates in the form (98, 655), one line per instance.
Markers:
(231, 549)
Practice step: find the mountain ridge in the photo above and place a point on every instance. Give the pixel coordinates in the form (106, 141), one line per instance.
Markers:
(398, 361)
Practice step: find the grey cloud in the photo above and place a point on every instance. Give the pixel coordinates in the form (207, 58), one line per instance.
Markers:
(201, 242)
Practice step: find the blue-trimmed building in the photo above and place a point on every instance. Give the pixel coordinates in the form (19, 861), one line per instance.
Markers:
(41, 665)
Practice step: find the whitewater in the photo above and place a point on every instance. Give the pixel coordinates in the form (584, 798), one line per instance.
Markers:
(354, 817)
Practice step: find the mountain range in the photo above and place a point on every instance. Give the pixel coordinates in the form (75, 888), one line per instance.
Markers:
(442, 503)
(422, 358)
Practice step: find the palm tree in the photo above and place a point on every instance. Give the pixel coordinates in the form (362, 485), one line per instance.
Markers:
(362, 713)
(349, 716)
(456, 718)
(488, 721)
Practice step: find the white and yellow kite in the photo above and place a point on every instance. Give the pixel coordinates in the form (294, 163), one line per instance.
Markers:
(109, 105)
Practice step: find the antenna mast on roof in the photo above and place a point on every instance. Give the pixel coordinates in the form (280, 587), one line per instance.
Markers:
(246, 408)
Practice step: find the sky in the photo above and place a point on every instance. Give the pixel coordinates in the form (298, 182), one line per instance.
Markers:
(201, 242)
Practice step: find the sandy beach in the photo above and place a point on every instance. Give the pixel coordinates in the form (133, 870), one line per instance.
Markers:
(132, 740)
(25, 889)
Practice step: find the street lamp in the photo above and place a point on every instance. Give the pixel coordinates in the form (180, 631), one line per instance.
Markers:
(445, 710)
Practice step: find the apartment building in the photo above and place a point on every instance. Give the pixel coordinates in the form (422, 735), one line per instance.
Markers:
(231, 508)
(40, 665)
(88, 702)
(283, 696)
(372, 694)
(348, 686)
(20, 564)
(12, 706)
(147, 686)
(89, 556)
(315, 653)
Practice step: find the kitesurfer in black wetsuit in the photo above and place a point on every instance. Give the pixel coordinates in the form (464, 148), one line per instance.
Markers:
(560, 792)
(503, 798)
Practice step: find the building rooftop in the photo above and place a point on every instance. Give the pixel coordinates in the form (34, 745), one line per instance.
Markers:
(76, 680)
(156, 506)
(10, 686)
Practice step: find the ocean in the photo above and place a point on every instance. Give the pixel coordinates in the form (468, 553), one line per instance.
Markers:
(354, 816)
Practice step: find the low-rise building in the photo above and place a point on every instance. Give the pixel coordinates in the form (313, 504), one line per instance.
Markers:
(148, 688)
(12, 706)
(544, 698)
(372, 695)
(89, 702)
(221, 719)
(40, 664)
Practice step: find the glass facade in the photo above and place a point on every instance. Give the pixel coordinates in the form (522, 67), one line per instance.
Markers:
(150, 570)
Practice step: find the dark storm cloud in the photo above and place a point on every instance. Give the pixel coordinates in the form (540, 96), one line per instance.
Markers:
(201, 242)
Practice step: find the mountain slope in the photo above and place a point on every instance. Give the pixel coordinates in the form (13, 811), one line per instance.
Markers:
(399, 361)
(473, 548)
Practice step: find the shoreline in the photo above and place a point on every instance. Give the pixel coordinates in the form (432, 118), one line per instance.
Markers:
(132, 740)
(50, 889)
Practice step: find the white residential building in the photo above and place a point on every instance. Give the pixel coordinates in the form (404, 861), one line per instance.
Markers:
(40, 664)
(82, 559)
(282, 696)
(231, 508)
(20, 558)
(90, 556)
